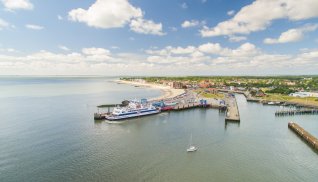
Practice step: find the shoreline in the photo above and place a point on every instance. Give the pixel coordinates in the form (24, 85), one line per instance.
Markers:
(167, 92)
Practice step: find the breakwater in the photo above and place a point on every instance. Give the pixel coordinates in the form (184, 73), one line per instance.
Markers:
(306, 136)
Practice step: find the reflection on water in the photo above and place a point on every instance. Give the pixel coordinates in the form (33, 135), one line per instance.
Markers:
(53, 137)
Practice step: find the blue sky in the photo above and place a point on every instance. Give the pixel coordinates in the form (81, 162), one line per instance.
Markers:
(175, 37)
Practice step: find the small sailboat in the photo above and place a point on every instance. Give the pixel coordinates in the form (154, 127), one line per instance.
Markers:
(191, 148)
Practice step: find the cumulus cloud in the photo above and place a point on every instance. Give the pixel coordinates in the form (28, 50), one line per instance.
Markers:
(17, 4)
(210, 48)
(106, 14)
(34, 27)
(113, 14)
(291, 35)
(191, 23)
(256, 16)
(146, 27)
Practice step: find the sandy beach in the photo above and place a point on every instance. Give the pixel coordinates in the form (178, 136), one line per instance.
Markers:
(167, 92)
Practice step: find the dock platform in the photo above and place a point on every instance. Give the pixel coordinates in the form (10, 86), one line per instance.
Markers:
(306, 136)
(232, 112)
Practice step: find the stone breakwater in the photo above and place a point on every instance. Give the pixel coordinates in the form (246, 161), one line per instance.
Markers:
(306, 136)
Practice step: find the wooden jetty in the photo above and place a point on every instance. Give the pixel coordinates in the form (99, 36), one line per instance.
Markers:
(232, 112)
(292, 112)
(272, 103)
(250, 99)
(306, 136)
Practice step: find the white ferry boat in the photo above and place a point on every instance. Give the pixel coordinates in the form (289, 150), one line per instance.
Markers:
(133, 109)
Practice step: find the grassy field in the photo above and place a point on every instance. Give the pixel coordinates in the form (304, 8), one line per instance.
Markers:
(279, 97)
(202, 93)
(213, 96)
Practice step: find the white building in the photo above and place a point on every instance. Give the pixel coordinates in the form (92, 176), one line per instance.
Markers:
(304, 94)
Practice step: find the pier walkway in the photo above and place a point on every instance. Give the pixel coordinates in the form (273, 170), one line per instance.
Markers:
(232, 112)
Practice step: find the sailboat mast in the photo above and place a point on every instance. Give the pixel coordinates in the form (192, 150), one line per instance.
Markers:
(190, 140)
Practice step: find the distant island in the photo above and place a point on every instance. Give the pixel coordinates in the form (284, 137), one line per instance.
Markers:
(301, 90)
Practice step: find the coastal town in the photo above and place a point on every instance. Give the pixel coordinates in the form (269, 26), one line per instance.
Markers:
(179, 93)
(301, 90)
(299, 94)
(295, 96)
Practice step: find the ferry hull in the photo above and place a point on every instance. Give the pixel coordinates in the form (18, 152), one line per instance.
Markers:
(115, 117)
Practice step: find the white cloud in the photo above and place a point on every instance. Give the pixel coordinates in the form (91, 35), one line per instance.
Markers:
(192, 23)
(246, 50)
(184, 5)
(142, 26)
(17, 4)
(210, 48)
(233, 38)
(113, 14)
(64, 48)
(3, 24)
(256, 16)
(204, 1)
(231, 12)
(106, 14)
(291, 35)
(34, 27)
(180, 50)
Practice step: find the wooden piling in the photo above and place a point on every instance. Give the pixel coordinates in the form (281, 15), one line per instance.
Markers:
(292, 112)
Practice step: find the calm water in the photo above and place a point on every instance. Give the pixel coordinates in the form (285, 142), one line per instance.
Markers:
(47, 133)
